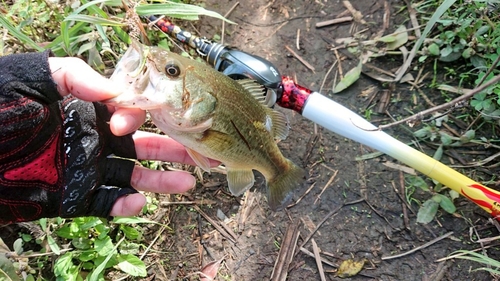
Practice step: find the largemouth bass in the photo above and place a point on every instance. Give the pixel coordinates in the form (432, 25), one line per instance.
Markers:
(212, 115)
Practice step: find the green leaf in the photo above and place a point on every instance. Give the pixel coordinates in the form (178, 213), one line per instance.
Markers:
(87, 255)
(446, 51)
(433, 49)
(94, 276)
(468, 136)
(103, 246)
(132, 265)
(53, 245)
(18, 34)
(350, 77)
(93, 20)
(91, 222)
(482, 30)
(447, 204)
(439, 153)
(467, 53)
(65, 38)
(130, 232)
(82, 243)
(427, 211)
(418, 182)
(130, 220)
(130, 248)
(422, 133)
(453, 194)
(445, 138)
(177, 10)
(7, 269)
(43, 224)
(64, 265)
(18, 246)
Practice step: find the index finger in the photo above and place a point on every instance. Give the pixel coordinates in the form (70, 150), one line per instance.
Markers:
(74, 76)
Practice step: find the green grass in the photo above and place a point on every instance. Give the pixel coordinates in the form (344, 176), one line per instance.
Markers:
(82, 248)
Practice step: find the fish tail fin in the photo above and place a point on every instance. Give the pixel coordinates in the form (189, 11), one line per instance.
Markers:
(281, 187)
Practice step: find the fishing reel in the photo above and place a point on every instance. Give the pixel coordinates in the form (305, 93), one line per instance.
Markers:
(240, 65)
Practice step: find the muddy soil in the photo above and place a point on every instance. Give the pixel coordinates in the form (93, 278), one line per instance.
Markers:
(370, 229)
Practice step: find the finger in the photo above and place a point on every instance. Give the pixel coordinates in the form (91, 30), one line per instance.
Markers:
(161, 181)
(126, 120)
(129, 205)
(72, 75)
(159, 147)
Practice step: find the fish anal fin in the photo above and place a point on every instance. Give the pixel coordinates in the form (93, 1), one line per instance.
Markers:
(239, 180)
(199, 159)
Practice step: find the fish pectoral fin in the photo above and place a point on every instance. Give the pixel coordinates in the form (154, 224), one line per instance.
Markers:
(199, 159)
(239, 181)
(280, 127)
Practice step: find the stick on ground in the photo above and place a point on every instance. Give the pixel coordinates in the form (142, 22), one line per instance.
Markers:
(287, 250)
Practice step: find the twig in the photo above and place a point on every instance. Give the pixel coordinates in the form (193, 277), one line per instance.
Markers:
(493, 66)
(326, 185)
(286, 254)
(317, 257)
(334, 21)
(419, 247)
(153, 242)
(272, 33)
(297, 42)
(355, 13)
(461, 98)
(323, 260)
(413, 18)
(222, 228)
(341, 73)
(224, 22)
(302, 196)
(300, 58)
(326, 76)
(406, 220)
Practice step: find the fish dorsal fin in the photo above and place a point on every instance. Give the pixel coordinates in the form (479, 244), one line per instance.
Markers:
(239, 180)
(280, 127)
(199, 159)
(254, 89)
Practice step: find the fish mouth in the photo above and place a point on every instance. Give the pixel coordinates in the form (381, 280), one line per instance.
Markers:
(141, 78)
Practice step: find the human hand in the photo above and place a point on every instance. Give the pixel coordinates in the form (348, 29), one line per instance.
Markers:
(71, 76)
(56, 155)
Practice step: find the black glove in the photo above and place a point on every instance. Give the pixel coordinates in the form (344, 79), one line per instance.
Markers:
(55, 153)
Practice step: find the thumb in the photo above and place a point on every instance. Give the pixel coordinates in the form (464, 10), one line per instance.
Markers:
(73, 75)
(129, 205)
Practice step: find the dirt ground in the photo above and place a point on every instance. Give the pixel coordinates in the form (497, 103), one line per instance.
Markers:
(370, 229)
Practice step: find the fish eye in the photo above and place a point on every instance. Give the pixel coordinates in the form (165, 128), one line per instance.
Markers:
(172, 69)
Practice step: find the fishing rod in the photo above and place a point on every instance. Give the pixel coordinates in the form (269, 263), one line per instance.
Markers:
(330, 114)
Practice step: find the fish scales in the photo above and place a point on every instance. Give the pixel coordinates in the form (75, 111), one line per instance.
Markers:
(212, 115)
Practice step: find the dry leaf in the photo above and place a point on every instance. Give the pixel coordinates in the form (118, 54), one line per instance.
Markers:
(349, 268)
(209, 271)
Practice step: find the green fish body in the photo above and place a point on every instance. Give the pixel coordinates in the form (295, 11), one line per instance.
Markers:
(212, 115)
